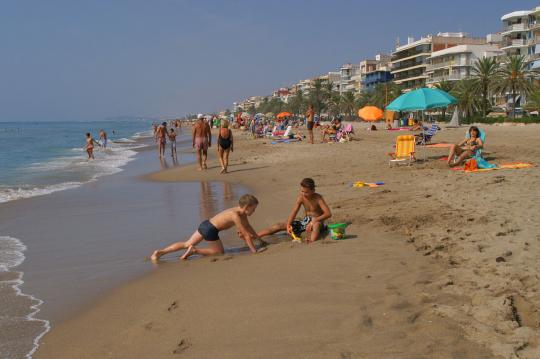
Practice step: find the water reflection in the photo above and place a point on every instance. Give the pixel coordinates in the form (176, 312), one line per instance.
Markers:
(207, 200)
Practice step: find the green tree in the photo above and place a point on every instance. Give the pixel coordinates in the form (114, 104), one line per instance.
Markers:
(515, 79)
(348, 101)
(465, 93)
(298, 103)
(445, 86)
(318, 95)
(334, 104)
(533, 100)
(485, 75)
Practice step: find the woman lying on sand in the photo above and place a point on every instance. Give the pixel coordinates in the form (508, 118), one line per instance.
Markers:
(466, 148)
(209, 231)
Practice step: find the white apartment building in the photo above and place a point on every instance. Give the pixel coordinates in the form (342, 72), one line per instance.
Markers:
(521, 34)
(349, 77)
(456, 63)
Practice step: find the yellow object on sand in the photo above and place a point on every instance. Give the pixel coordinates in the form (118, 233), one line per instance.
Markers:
(295, 238)
(405, 149)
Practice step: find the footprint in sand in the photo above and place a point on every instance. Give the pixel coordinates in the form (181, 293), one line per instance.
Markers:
(182, 346)
(149, 326)
(173, 306)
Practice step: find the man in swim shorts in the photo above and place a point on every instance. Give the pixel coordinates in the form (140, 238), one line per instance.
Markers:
(209, 231)
(310, 114)
(161, 138)
(316, 212)
(202, 139)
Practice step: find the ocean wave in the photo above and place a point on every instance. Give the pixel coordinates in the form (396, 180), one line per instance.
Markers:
(13, 193)
(75, 169)
(11, 256)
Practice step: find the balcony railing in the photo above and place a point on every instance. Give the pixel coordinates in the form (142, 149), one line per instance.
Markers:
(516, 27)
(451, 77)
(515, 42)
(533, 57)
(441, 65)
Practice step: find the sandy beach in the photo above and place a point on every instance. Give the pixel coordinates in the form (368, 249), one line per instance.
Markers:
(438, 263)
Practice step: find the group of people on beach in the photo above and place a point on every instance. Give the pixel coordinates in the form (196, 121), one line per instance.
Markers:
(89, 146)
(313, 223)
(162, 134)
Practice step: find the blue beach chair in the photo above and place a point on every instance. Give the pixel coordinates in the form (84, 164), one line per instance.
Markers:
(426, 136)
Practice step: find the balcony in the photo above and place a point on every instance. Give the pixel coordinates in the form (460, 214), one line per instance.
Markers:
(451, 77)
(515, 28)
(433, 67)
(514, 43)
(533, 57)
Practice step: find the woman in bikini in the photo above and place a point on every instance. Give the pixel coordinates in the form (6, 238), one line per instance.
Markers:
(466, 148)
(225, 145)
(89, 148)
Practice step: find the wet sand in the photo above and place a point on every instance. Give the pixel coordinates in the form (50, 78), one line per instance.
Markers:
(421, 275)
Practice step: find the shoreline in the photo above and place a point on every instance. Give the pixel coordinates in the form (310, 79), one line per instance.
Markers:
(261, 167)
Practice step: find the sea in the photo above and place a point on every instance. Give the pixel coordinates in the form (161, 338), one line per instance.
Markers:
(38, 159)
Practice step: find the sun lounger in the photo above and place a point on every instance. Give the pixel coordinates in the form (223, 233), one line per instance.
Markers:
(426, 136)
(345, 133)
(405, 150)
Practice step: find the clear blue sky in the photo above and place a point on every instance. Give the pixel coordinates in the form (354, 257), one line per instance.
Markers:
(80, 60)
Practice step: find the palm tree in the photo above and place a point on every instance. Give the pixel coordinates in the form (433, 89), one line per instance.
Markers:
(445, 86)
(297, 105)
(317, 95)
(515, 79)
(465, 94)
(533, 101)
(348, 101)
(485, 74)
(334, 104)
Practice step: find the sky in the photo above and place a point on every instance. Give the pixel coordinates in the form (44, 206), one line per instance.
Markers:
(90, 60)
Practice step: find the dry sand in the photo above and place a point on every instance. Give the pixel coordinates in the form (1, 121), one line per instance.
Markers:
(419, 278)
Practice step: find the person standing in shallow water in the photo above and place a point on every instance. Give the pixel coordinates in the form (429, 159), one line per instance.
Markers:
(310, 114)
(225, 145)
(202, 139)
(161, 137)
(89, 148)
(103, 138)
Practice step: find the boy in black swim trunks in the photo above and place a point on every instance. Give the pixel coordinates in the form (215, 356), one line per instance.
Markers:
(209, 231)
(316, 212)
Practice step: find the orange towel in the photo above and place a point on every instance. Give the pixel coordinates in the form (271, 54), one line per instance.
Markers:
(439, 145)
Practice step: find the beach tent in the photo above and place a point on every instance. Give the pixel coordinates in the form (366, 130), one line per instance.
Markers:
(370, 113)
(455, 119)
(422, 99)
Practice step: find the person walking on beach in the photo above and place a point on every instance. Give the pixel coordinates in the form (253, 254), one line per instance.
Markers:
(161, 137)
(209, 231)
(172, 140)
(225, 145)
(316, 212)
(310, 114)
(89, 148)
(202, 139)
(103, 138)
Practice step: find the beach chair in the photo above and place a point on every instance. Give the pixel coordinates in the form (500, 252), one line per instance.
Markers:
(426, 136)
(405, 150)
(345, 133)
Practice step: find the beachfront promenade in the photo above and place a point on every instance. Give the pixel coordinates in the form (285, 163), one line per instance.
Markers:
(421, 275)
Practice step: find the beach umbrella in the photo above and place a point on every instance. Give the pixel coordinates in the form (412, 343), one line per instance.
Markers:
(421, 99)
(269, 114)
(283, 115)
(370, 113)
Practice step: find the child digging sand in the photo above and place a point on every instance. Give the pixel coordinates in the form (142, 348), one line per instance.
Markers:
(209, 231)
(316, 212)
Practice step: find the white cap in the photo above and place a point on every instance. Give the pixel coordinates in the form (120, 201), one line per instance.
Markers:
(199, 116)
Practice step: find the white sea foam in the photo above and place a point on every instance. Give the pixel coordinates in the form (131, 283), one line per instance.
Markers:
(11, 256)
(107, 161)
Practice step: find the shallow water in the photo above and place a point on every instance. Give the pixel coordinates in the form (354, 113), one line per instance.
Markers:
(70, 247)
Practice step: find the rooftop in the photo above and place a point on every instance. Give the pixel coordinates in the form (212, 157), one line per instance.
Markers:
(520, 13)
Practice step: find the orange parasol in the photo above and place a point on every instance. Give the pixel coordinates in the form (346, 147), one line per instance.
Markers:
(283, 114)
(370, 113)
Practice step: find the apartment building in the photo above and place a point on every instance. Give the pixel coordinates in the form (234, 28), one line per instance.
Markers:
(521, 34)
(379, 73)
(409, 62)
(456, 63)
(349, 77)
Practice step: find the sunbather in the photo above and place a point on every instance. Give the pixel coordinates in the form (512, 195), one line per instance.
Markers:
(466, 148)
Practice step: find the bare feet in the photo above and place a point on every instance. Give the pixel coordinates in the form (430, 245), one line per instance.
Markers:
(155, 256)
(222, 170)
(189, 252)
(205, 166)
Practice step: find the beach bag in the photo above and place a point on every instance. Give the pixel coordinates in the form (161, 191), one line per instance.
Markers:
(482, 163)
(471, 165)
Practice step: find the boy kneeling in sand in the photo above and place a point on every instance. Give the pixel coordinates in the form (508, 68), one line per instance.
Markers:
(316, 212)
(209, 231)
